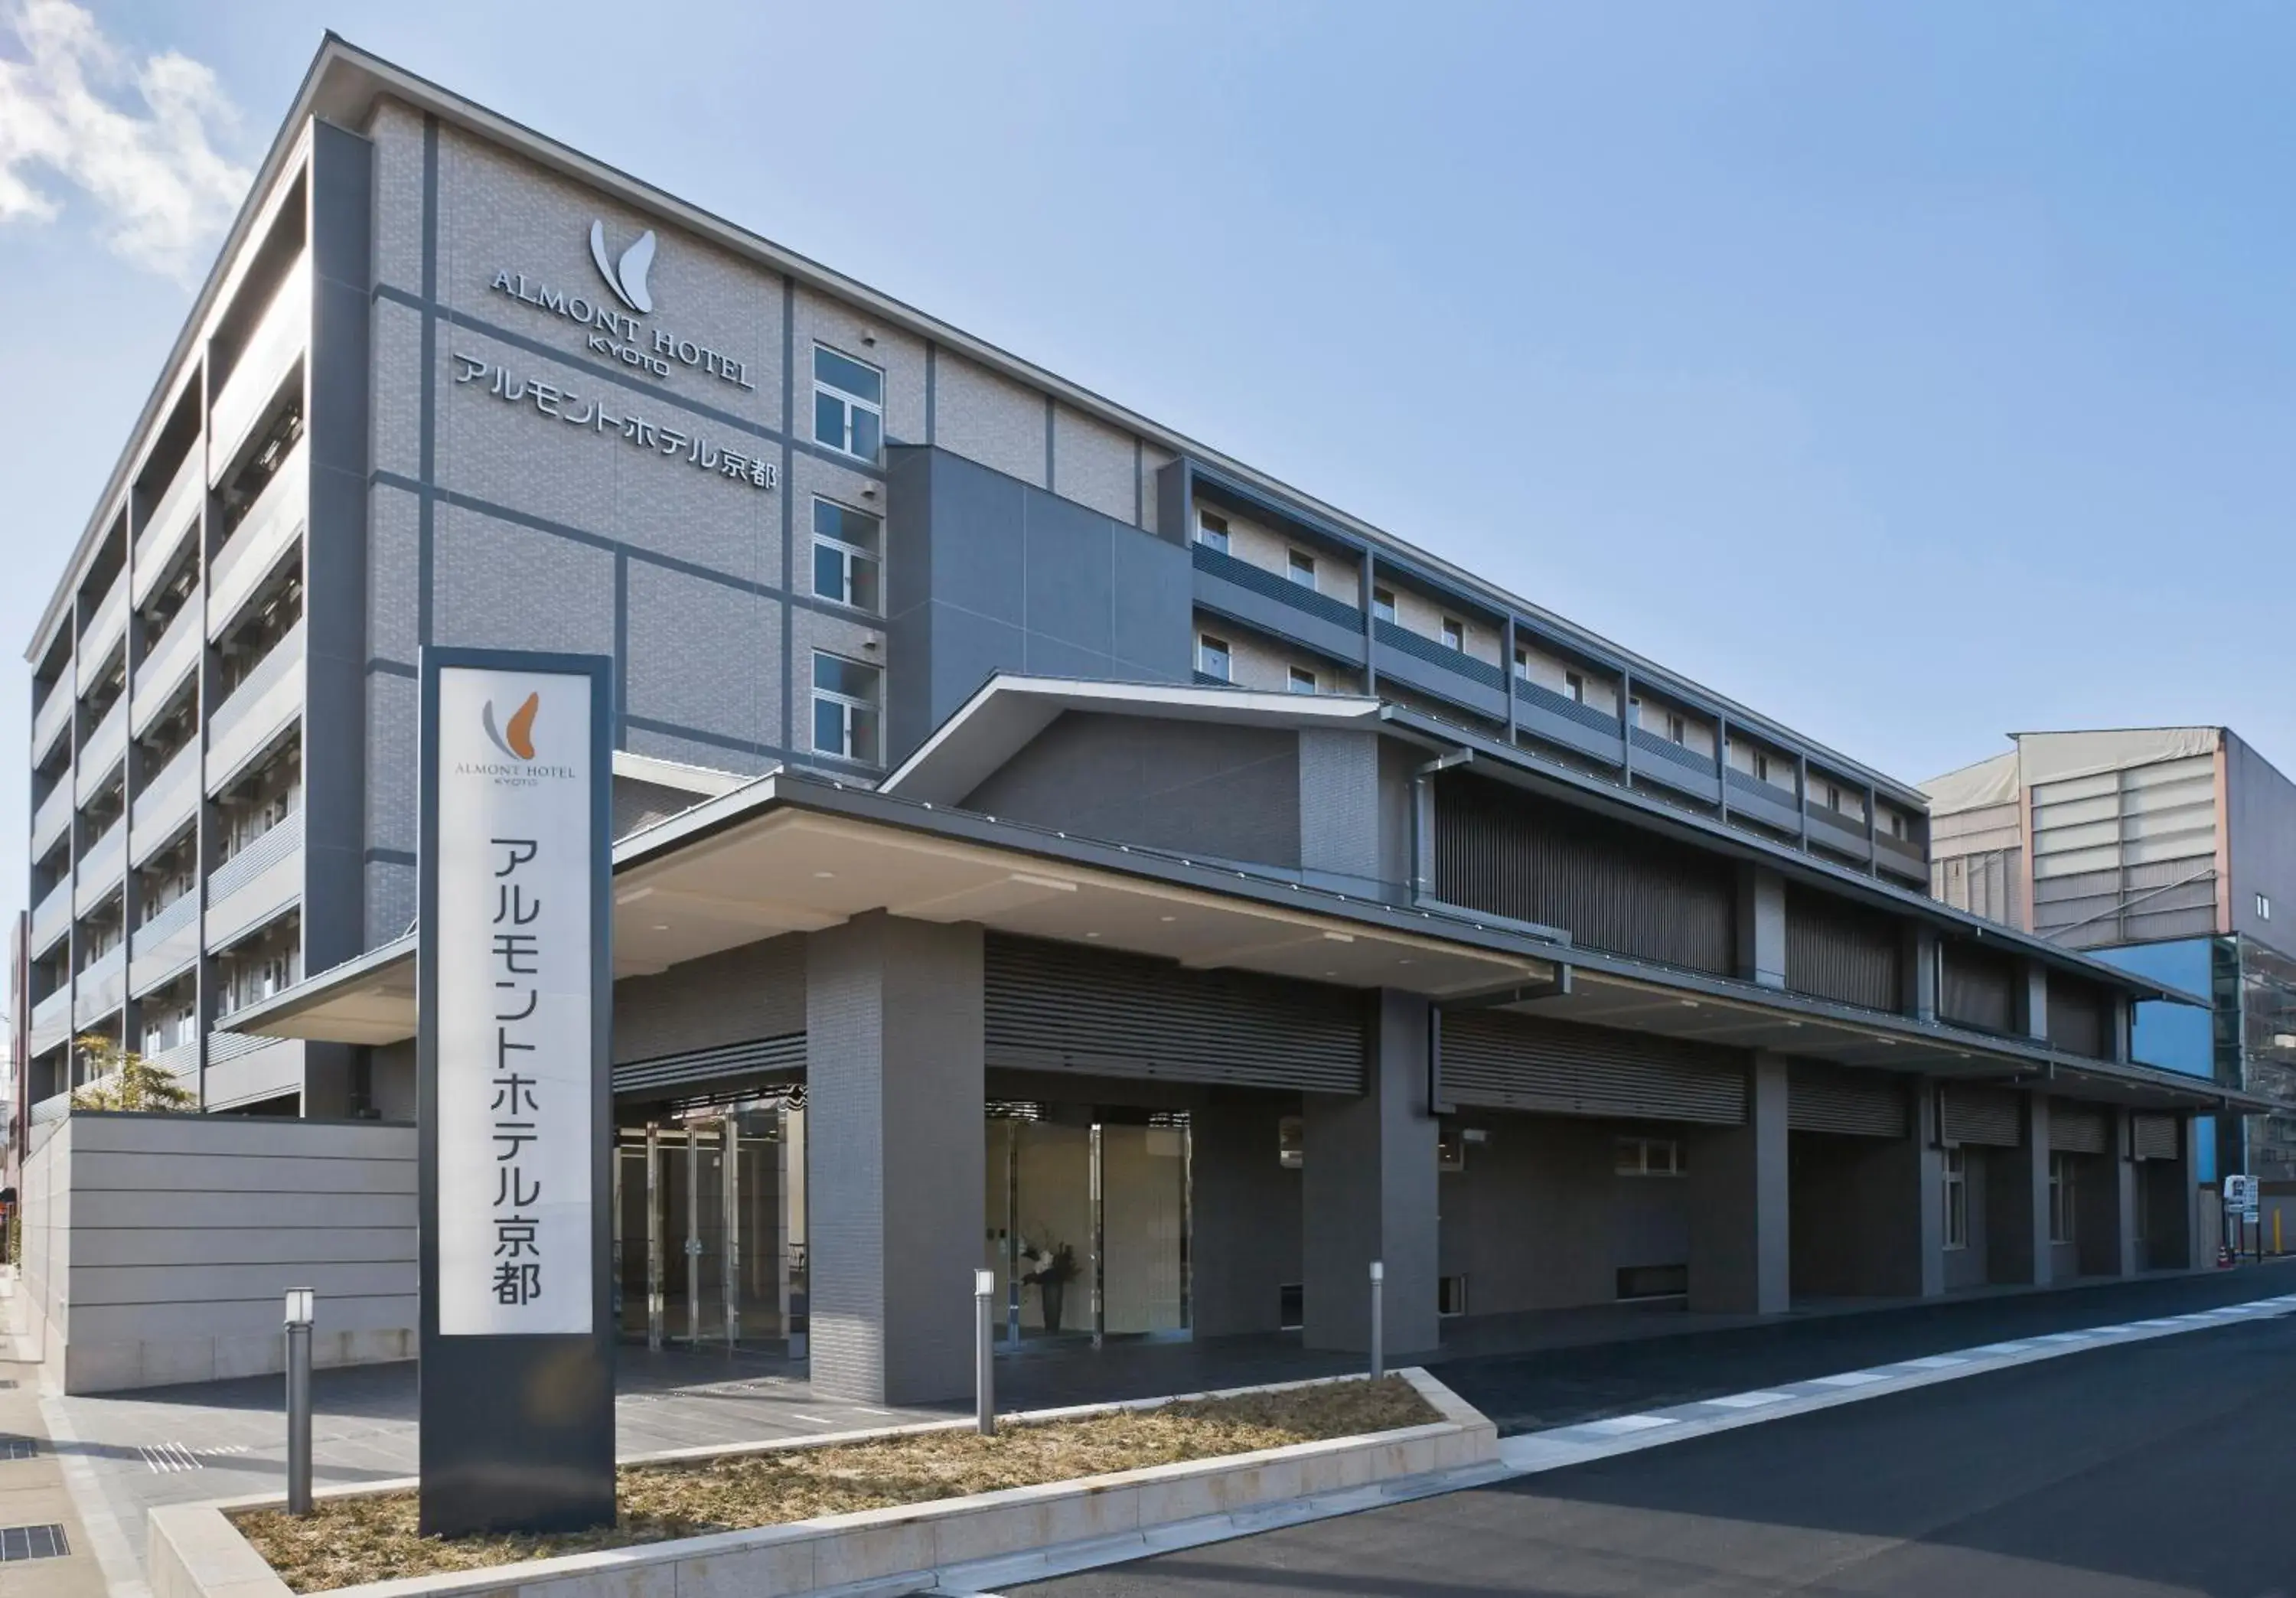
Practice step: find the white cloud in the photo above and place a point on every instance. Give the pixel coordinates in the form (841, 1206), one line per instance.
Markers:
(163, 190)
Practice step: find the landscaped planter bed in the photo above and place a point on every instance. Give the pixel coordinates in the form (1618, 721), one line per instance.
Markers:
(811, 1516)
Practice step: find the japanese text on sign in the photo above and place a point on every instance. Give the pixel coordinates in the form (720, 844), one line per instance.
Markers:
(594, 416)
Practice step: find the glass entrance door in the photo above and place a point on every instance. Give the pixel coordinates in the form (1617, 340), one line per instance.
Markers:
(705, 1250)
(1089, 1224)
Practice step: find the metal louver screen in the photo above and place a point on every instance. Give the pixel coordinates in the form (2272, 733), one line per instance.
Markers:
(1976, 988)
(1511, 853)
(2077, 1128)
(1053, 1006)
(1825, 1098)
(1496, 1060)
(1991, 1117)
(2155, 1137)
(1842, 951)
(757, 1057)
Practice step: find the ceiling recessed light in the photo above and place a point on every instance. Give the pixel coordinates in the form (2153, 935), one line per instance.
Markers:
(1167, 918)
(1404, 961)
(661, 926)
(823, 875)
(1092, 935)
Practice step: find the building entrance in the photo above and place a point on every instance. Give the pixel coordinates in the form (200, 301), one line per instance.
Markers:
(1088, 1222)
(709, 1229)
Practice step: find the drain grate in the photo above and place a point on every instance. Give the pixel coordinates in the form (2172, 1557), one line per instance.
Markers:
(18, 1447)
(32, 1542)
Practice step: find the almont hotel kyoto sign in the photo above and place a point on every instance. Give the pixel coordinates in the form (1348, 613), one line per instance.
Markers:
(622, 334)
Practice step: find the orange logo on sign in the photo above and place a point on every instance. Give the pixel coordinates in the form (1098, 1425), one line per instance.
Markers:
(516, 739)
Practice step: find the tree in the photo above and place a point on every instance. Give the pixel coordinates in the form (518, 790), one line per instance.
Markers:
(120, 1078)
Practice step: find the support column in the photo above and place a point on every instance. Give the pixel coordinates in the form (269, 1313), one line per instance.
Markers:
(1739, 1254)
(1761, 927)
(2017, 1200)
(1910, 1234)
(2105, 1205)
(894, 1102)
(1368, 1191)
(2190, 1130)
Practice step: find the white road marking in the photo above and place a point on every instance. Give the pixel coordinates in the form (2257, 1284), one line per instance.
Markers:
(1848, 1379)
(1935, 1362)
(1621, 1425)
(1753, 1400)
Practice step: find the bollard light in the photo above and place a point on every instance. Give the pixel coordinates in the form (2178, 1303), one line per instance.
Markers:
(299, 1300)
(1378, 1326)
(301, 1309)
(984, 1352)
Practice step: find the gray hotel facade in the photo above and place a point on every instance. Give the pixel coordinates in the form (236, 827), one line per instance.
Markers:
(1048, 844)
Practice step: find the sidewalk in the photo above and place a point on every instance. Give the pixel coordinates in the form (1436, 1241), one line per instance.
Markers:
(45, 1551)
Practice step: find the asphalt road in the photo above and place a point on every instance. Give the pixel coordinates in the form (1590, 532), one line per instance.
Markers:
(2155, 1468)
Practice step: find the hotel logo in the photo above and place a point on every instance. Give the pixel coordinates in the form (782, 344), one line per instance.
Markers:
(627, 277)
(515, 739)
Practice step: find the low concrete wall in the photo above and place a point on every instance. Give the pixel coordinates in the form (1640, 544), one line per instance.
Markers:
(157, 1247)
(195, 1552)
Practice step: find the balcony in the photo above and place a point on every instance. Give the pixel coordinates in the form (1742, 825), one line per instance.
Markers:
(163, 946)
(49, 820)
(1903, 855)
(51, 1020)
(165, 666)
(269, 354)
(1843, 834)
(52, 917)
(269, 699)
(107, 624)
(100, 756)
(49, 719)
(101, 987)
(164, 528)
(257, 883)
(100, 869)
(1437, 669)
(1676, 765)
(163, 804)
(1273, 603)
(1558, 718)
(247, 1071)
(272, 524)
(1765, 802)
(181, 1062)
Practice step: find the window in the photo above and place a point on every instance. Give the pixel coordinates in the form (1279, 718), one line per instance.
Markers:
(1302, 569)
(2061, 1197)
(1574, 688)
(1382, 604)
(1454, 633)
(844, 708)
(1897, 824)
(1761, 766)
(1523, 664)
(844, 543)
(1676, 730)
(1956, 1199)
(849, 404)
(1833, 796)
(1212, 658)
(1649, 1157)
(2264, 906)
(1211, 531)
(1303, 681)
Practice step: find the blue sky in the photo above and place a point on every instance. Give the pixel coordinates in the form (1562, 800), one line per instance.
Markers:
(1911, 374)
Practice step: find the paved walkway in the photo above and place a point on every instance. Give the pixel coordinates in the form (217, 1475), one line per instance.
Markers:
(33, 1492)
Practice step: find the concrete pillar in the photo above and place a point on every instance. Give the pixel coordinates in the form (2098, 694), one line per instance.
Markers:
(1761, 927)
(1904, 1194)
(2017, 1219)
(894, 1102)
(2030, 1000)
(1739, 1253)
(1920, 999)
(1368, 1193)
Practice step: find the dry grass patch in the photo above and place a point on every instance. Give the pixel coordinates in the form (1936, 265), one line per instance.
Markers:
(346, 1541)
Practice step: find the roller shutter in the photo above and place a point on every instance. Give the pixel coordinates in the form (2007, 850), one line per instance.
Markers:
(1053, 1006)
(724, 1063)
(1988, 1116)
(2156, 1137)
(1827, 1098)
(1498, 1061)
(2078, 1128)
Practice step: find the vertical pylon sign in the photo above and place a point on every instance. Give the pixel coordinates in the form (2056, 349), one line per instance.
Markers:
(514, 989)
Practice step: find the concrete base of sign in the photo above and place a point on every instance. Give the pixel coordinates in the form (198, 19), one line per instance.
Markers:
(196, 1553)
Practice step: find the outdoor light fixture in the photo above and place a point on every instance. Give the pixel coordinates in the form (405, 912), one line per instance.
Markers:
(300, 1305)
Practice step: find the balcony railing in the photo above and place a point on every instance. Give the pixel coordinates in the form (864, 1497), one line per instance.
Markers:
(1765, 802)
(165, 666)
(106, 623)
(1902, 854)
(51, 1020)
(49, 821)
(1275, 585)
(165, 526)
(1844, 834)
(99, 756)
(52, 917)
(100, 868)
(49, 719)
(1436, 652)
(271, 350)
(162, 804)
(247, 1071)
(101, 986)
(257, 883)
(164, 945)
(264, 701)
(1667, 748)
(273, 522)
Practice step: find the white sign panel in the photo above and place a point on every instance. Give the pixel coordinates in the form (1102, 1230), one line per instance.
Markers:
(515, 858)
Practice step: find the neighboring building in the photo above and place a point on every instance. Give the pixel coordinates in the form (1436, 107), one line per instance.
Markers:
(2168, 851)
(1241, 879)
